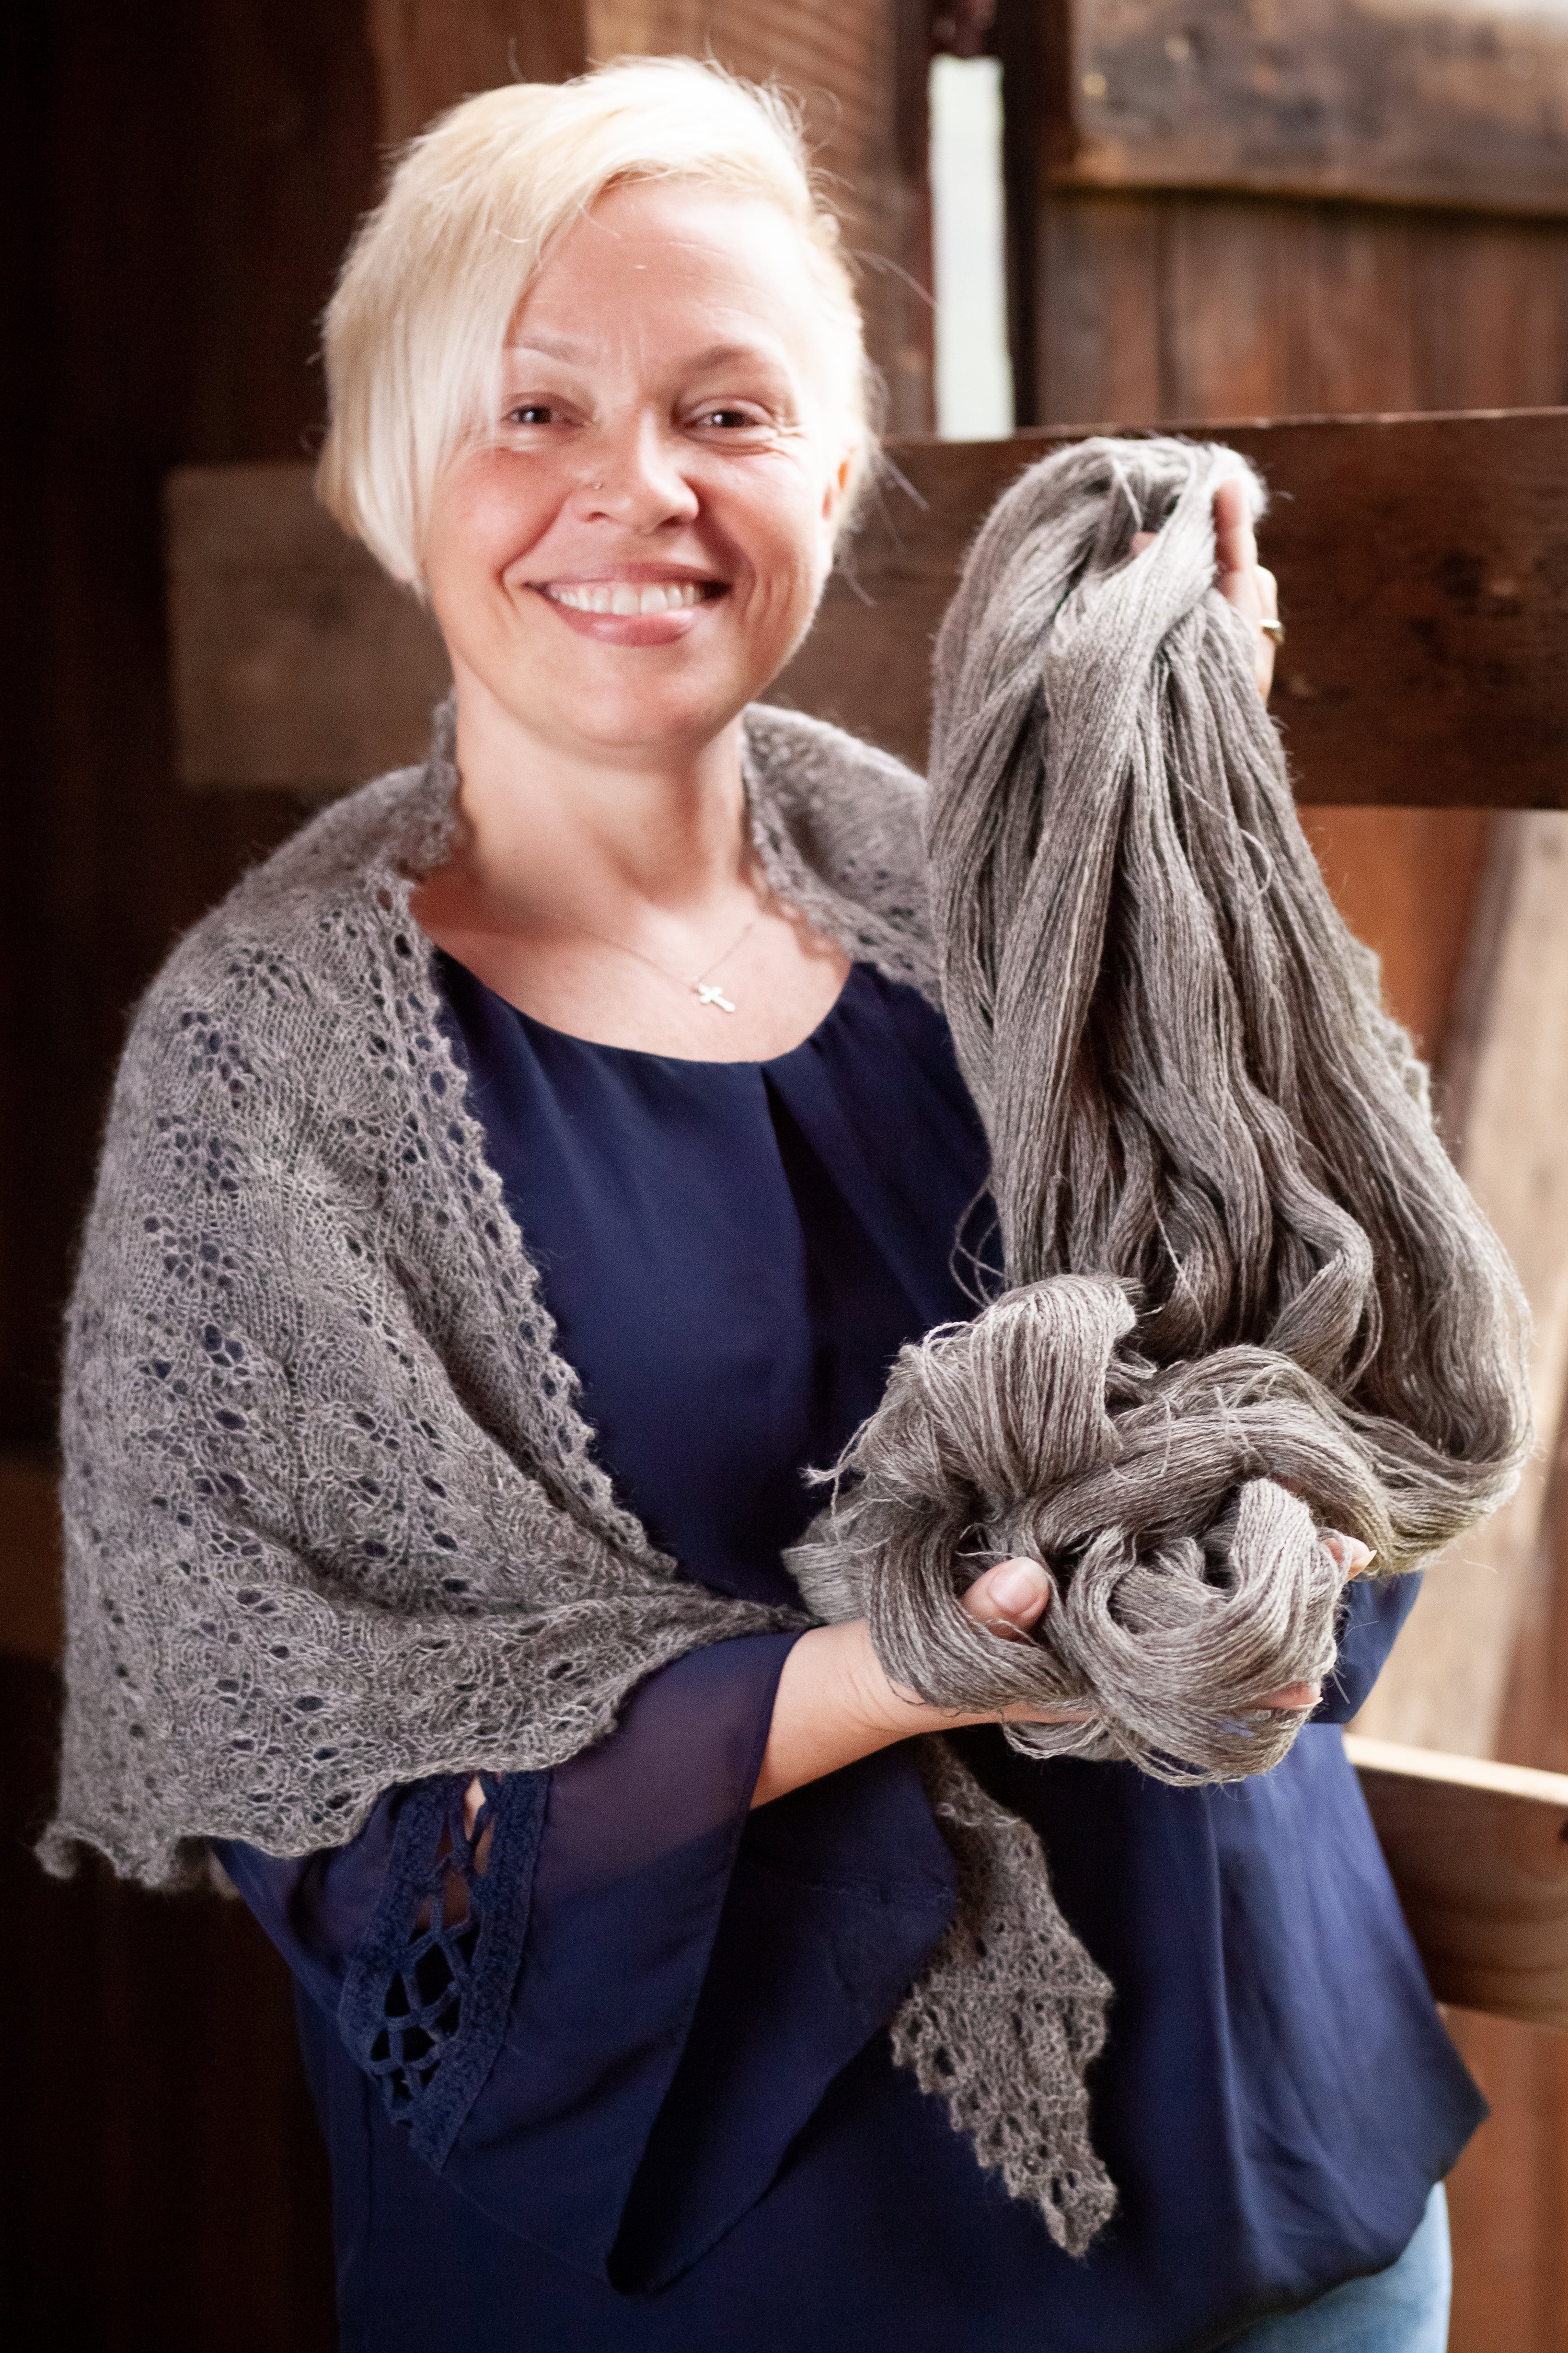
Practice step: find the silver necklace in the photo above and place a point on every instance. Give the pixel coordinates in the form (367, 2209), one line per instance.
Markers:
(705, 990)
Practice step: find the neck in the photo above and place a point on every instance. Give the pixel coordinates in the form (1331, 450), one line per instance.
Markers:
(544, 828)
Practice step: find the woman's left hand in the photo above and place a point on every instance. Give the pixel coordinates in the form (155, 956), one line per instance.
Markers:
(1241, 580)
(1010, 1600)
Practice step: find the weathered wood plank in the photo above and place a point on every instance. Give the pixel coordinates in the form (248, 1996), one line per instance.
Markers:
(1423, 565)
(430, 53)
(1409, 102)
(1508, 1101)
(294, 660)
(1478, 1854)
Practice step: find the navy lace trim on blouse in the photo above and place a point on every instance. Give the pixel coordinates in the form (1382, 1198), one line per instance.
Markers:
(626, 2084)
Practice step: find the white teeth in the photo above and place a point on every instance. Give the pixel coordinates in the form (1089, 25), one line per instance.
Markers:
(675, 597)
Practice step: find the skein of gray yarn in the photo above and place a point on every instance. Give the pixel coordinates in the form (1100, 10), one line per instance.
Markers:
(1251, 1299)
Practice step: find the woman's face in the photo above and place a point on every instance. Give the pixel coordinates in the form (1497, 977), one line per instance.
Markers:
(640, 547)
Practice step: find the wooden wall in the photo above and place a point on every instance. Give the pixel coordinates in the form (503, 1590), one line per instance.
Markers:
(1138, 306)
(180, 180)
(1141, 305)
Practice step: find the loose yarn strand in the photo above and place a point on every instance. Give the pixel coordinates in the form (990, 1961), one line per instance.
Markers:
(1248, 1297)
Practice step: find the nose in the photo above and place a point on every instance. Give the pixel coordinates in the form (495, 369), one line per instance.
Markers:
(633, 475)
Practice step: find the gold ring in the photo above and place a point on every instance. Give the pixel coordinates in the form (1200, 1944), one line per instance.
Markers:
(1274, 629)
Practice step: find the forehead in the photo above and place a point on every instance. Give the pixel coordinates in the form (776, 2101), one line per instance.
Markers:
(661, 260)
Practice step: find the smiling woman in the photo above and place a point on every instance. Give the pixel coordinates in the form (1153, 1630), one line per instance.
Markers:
(511, 1193)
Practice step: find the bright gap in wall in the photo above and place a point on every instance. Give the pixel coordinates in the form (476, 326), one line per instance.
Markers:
(973, 371)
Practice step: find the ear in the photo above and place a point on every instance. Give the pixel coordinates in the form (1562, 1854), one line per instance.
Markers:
(835, 489)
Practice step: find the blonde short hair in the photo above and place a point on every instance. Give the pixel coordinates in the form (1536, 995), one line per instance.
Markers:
(414, 334)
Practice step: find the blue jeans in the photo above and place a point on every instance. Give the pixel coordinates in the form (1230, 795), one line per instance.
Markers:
(1401, 2310)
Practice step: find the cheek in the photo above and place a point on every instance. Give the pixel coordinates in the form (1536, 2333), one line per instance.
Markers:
(483, 518)
(791, 553)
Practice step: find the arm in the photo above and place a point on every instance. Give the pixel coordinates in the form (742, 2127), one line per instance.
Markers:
(836, 1703)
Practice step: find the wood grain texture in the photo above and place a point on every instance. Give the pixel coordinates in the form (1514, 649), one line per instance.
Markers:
(1423, 565)
(1406, 881)
(1411, 102)
(1509, 2194)
(1478, 1853)
(179, 195)
(1142, 306)
(180, 184)
(294, 660)
(1423, 666)
(1508, 1064)
(163, 2185)
(430, 53)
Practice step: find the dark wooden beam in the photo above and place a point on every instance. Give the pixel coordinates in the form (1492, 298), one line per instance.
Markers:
(295, 660)
(1446, 102)
(1423, 565)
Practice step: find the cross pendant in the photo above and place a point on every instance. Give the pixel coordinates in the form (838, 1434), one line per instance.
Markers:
(710, 993)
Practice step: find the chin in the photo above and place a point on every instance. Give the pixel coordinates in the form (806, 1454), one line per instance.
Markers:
(617, 714)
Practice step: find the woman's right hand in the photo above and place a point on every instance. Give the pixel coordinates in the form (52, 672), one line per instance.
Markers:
(836, 1702)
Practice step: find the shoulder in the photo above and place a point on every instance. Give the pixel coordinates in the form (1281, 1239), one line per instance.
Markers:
(316, 919)
(852, 815)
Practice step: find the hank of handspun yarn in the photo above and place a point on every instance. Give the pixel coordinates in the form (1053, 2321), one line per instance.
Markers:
(1249, 1299)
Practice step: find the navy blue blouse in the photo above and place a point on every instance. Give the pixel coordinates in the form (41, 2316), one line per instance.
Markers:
(641, 2096)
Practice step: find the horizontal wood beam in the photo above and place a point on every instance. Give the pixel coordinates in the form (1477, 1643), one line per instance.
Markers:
(1423, 563)
(1422, 566)
(1447, 102)
(1478, 1854)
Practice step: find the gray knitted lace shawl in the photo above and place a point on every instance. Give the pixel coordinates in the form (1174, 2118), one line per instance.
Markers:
(333, 1520)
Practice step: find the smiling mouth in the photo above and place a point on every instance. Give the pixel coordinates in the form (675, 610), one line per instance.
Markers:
(622, 596)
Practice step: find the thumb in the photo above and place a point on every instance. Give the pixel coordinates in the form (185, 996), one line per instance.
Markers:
(1010, 1598)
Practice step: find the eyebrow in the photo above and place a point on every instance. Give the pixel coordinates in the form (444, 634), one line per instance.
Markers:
(563, 347)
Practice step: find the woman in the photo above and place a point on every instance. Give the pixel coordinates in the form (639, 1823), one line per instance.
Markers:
(509, 1193)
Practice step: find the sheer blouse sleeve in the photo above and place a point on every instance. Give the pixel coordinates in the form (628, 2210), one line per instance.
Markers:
(605, 2017)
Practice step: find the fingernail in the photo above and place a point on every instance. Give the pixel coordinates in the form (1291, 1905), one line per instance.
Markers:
(1019, 1586)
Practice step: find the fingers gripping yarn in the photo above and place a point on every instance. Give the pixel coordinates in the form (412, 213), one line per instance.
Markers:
(1252, 1299)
